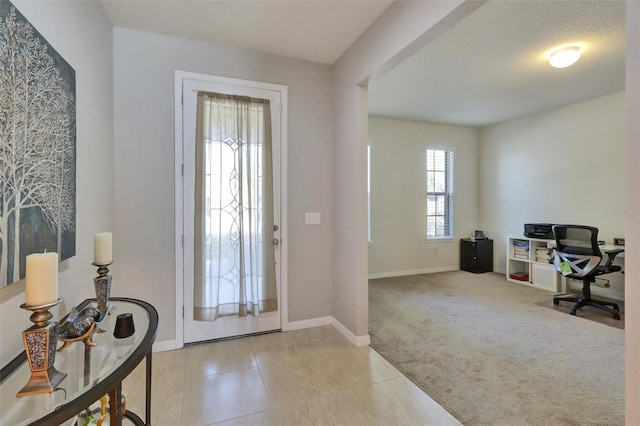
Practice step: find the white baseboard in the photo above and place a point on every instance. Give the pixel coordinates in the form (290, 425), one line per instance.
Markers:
(310, 323)
(413, 272)
(322, 321)
(164, 345)
(352, 338)
(169, 345)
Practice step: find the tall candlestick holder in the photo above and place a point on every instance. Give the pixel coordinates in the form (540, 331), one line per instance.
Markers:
(102, 284)
(40, 343)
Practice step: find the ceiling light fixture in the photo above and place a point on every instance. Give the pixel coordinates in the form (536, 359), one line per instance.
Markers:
(564, 57)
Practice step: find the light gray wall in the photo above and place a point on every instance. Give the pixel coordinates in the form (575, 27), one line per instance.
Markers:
(398, 204)
(564, 165)
(144, 66)
(400, 31)
(82, 35)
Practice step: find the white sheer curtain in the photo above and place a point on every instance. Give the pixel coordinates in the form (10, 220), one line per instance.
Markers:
(234, 254)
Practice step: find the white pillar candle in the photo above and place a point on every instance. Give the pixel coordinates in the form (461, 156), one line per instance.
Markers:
(102, 248)
(41, 279)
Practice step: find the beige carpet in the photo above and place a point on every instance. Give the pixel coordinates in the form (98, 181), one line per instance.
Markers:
(485, 350)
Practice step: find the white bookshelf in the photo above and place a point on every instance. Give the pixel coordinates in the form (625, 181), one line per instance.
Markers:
(535, 272)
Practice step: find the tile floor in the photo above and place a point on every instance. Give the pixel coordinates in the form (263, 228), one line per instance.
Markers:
(304, 377)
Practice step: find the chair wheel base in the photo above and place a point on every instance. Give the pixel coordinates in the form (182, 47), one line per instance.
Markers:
(611, 308)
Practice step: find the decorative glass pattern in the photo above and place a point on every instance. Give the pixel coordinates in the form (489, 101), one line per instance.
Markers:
(235, 270)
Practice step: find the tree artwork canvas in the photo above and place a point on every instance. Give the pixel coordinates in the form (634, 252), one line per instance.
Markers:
(37, 147)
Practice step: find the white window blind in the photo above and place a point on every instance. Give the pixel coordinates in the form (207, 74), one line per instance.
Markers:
(439, 193)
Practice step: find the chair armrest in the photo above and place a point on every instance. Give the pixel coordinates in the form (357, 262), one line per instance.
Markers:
(611, 254)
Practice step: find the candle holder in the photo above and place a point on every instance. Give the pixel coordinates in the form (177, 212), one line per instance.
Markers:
(40, 343)
(102, 284)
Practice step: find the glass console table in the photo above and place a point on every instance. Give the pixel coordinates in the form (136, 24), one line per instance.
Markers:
(92, 372)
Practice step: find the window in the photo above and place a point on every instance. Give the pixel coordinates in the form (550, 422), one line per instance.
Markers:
(439, 194)
(369, 192)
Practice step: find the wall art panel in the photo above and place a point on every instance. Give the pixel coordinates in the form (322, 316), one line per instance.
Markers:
(37, 147)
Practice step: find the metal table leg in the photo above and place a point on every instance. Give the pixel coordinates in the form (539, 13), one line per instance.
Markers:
(115, 405)
(148, 390)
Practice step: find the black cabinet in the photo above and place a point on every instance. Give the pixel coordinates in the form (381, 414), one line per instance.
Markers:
(476, 255)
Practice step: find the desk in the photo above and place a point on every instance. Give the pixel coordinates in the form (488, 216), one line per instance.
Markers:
(92, 372)
(607, 247)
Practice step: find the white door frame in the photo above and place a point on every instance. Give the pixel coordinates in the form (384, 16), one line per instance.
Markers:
(180, 76)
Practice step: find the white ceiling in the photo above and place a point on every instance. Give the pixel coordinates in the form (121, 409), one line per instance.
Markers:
(488, 68)
(313, 30)
(493, 65)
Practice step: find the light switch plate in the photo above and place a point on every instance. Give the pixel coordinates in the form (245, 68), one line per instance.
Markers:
(312, 219)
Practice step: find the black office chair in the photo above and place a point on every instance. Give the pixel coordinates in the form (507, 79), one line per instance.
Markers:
(578, 246)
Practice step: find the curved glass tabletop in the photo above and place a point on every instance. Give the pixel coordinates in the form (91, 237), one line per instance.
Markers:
(91, 371)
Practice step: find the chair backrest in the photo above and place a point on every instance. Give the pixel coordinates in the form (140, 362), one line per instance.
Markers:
(578, 246)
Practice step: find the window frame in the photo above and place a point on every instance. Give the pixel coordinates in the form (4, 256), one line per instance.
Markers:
(369, 240)
(446, 230)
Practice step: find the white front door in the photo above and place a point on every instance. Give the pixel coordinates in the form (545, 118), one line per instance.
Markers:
(225, 326)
